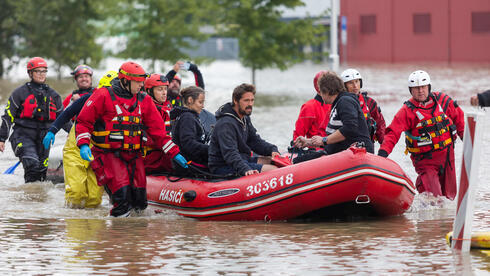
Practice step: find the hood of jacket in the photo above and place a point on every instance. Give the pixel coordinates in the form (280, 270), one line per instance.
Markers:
(120, 90)
(227, 110)
(179, 110)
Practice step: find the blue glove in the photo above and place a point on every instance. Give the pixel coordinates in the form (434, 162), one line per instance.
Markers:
(86, 153)
(48, 140)
(181, 161)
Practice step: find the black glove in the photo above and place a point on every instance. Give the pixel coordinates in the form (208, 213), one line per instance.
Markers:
(382, 153)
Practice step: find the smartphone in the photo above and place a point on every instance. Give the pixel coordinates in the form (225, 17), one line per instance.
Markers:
(186, 65)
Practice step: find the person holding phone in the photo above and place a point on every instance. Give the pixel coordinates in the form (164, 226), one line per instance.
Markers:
(207, 118)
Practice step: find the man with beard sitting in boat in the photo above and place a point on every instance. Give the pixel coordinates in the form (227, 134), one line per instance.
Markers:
(234, 138)
(346, 125)
(431, 122)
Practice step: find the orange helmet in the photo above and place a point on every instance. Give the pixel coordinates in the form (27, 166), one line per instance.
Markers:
(155, 80)
(132, 71)
(315, 80)
(36, 62)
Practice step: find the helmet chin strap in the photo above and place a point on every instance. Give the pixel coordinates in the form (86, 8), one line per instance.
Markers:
(127, 86)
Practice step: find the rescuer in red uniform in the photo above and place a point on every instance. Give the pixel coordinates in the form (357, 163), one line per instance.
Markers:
(431, 122)
(313, 115)
(376, 122)
(156, 86)
(83, 77)
(115, 120)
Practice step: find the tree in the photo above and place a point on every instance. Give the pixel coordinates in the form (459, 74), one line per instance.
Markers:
(161, 29)
(265, 39)
(63, 31)
(8, 32)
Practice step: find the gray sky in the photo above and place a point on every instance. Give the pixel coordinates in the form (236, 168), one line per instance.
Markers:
(313, 8)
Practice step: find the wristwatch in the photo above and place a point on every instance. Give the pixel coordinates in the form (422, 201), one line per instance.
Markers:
(324, 140)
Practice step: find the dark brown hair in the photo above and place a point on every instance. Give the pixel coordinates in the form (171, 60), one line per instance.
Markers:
(242, 89)
(191, 92)
(330, 84)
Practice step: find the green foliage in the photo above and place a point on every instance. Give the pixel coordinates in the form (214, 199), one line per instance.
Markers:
(8, 31)
(161, 29)
(265, 40)
(63, 31)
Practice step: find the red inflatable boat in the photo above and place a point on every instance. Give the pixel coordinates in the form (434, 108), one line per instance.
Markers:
(351, 182)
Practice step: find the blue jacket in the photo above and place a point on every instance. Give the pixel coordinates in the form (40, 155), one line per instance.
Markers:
(233, 140)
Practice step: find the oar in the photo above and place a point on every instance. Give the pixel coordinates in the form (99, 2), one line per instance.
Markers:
(12, 169)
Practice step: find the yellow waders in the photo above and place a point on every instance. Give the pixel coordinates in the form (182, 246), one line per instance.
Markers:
(81, 189)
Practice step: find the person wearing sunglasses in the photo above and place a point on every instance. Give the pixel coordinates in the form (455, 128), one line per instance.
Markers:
(30, 110)
(116, 121)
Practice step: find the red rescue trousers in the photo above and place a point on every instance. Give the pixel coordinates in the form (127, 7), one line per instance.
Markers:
(436, 173)
(122, 174)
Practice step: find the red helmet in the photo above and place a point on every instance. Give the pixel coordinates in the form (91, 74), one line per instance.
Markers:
(36, 62)
(178, 78)
(82, 69)
(155, 80)
(132, 71)
(315, 80)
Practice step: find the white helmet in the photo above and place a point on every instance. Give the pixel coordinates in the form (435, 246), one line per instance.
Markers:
(351, 74)
(418, 78)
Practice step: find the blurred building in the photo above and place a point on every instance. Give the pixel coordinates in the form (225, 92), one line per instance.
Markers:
(416, 30)
(225, 48)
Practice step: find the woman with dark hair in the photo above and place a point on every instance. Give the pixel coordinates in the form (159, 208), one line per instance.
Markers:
(187, 130)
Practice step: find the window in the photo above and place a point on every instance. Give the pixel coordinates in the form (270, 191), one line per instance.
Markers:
(368, 24)
(421, 23)
(480, 22)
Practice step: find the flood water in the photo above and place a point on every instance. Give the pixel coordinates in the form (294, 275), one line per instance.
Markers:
(39, 236)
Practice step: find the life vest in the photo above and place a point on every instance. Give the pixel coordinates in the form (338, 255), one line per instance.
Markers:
(165, 113)
(124, 131)
(434, 130)
(371, 123)
(39, 108)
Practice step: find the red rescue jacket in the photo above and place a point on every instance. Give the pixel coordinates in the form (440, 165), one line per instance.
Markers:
(67, 100)
(117, 123)
(164, 110)
(374, 118)
(313, 118)
(427, 125)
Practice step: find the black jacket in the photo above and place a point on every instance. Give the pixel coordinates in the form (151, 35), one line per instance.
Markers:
(15, 106)
(189, 135)
(233, 141)
(347, 117)
(484, 98)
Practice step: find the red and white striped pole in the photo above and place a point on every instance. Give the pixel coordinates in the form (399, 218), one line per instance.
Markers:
(469, 181)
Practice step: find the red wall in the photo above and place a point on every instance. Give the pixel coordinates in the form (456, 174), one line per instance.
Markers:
(450, 39)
